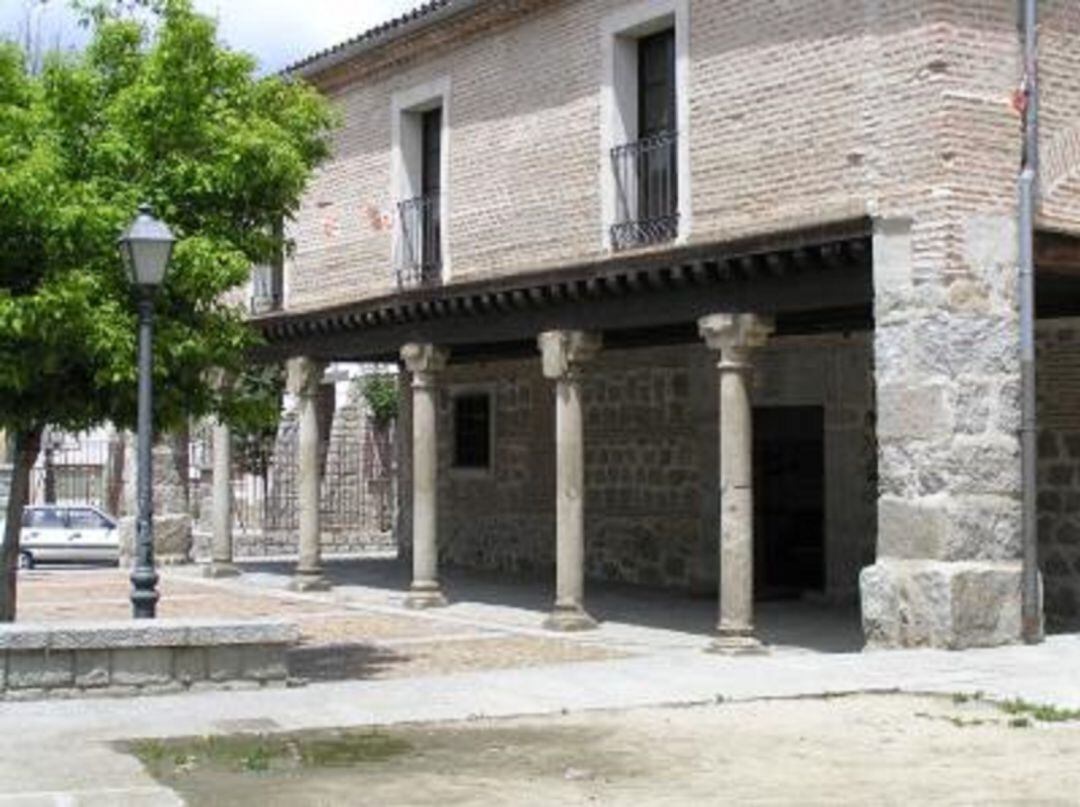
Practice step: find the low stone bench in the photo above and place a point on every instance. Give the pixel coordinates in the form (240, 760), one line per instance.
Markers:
(75, 659)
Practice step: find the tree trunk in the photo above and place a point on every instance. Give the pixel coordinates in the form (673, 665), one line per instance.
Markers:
(27, 446)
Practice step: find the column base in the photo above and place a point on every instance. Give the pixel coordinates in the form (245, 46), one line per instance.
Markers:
(946, 604)
(219, 569)
(569, 618)
(309, 580)
(737, 643)
(422, 596)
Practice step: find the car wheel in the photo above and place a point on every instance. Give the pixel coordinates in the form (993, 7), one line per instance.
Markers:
(26, 560)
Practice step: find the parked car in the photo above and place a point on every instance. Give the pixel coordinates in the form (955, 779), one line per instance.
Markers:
(72, 533)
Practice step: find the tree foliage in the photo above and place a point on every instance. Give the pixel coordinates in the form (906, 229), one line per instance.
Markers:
(154, 110)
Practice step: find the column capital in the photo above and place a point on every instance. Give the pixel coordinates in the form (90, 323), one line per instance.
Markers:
(303, 376)
(564, 352)
(725, 332)
(423, 358)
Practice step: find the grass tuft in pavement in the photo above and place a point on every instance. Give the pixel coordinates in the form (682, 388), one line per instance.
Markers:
(1041, 712)
(259, 753)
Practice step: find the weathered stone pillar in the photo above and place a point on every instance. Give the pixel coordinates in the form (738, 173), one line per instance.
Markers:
(947, 375)
(305, 376)
(425, 362)
(221, 544)
(564, 353)
(734, 336)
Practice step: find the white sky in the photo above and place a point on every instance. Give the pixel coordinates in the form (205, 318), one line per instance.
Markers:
(278, 32)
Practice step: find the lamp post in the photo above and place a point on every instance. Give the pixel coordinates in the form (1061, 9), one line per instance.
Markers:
(145, 246)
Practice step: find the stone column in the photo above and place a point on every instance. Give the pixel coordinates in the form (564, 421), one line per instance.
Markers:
(947, 379)
(734, 336)
(221, 544)
(564, 353)
(425, 362)
(305, 376)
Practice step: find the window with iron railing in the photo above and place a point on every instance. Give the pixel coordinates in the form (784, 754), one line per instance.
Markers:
(421, 255)
(267, 287)
(647, 170)
(268, 280)
(647, 184)
(420, 262)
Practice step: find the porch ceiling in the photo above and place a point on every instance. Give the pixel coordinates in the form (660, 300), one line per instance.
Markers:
(812, 280)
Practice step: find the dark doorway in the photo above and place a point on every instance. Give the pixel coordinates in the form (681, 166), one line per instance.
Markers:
(789, 501)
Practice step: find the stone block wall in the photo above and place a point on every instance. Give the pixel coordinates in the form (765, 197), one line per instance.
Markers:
(947, 378)
(651, 462)
(1058, 373)
(125, 658)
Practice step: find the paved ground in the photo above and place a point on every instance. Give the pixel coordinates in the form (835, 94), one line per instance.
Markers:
(352, 633)
(853, 751)
(59, 752)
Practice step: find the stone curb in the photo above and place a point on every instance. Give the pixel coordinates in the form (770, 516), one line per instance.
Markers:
(155, 633)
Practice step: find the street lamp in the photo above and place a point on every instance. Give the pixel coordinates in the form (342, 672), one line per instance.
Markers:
(145, 247)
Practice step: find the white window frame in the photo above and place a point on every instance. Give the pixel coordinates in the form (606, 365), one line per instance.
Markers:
(619, 33)
(406, 109)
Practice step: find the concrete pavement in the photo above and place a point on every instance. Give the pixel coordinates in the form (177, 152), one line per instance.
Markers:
(59, 752)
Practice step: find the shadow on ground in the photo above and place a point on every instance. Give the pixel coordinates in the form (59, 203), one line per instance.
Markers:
(341, 662)
(796, 623)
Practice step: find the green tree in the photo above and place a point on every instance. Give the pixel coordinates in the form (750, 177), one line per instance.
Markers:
(157, 111)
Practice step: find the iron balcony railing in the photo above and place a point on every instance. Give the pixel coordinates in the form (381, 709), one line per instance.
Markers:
(420, 258)
(267, 282)
(647, 187)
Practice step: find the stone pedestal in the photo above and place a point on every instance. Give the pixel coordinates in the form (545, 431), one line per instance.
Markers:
(734, 336)
(424, 362)
(954, 605)
(172, 539)
(564, 354)
(171, 514)
(221, 546)
(305, 375)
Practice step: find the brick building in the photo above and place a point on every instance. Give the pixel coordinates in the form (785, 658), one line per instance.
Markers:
(680, 279)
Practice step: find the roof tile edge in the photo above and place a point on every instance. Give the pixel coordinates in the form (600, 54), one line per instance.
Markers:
(420, 18)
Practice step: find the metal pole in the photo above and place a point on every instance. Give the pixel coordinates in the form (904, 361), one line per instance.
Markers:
(1031, 610)
(144, 595)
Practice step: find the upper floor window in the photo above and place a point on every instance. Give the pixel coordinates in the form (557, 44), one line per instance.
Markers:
(268, 283)
(656, 84)
(421, 230)
(646, 169)
(645, 121)
(420, 118)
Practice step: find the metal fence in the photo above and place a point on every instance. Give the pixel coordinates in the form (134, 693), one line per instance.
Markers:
(356, 493)
(77, 470)
(420, 259)
(647, 184)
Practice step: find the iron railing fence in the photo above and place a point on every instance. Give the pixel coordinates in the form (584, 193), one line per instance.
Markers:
(357, 488)
(420, 258)
(76, 470)
(647, 188)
